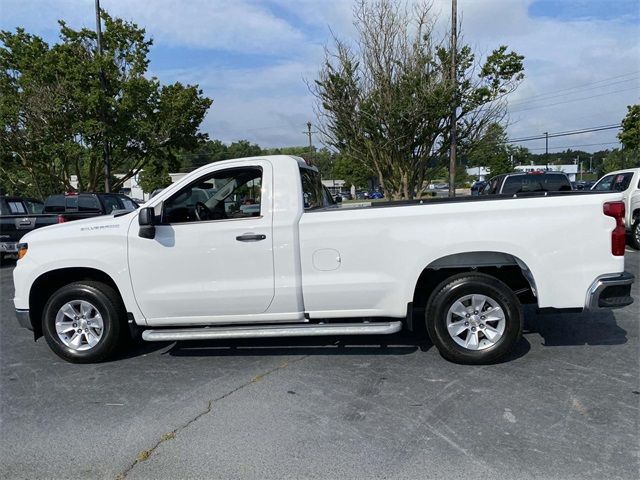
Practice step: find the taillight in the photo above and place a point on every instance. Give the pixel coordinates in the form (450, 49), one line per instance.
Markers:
(61, 219)
(618, 235)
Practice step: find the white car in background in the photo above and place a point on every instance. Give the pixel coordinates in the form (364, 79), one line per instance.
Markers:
(628, 182)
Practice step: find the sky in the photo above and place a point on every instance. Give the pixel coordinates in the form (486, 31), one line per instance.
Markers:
(253, 57)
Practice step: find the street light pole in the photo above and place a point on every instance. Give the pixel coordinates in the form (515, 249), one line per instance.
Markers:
(454, 83)
(105, 144)
(546, 150)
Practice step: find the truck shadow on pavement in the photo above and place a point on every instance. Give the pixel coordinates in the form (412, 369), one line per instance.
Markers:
(403, 343)
(589, 328)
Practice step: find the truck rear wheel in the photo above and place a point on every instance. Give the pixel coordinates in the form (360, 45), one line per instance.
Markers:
(635, 232)
(473, 318)
(83, 322)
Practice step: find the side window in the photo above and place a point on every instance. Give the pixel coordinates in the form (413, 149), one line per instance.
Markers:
(312, 191)
(88, 203)
(33, 206)
(604, 183)
(16, 207)
(223, 195)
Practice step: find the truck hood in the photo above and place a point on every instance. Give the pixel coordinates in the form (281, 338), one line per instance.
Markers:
(87, 227)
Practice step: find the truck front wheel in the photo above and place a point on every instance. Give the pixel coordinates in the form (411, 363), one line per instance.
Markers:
(83, 322)
(473, 318)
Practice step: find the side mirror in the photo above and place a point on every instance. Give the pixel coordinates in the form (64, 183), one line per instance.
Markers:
(147, 222)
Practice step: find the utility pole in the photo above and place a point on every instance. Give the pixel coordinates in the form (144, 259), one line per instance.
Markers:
(591, 164)
(579, 166)
(546, 150)
(454, 83)
(308, 133)
(105, 145)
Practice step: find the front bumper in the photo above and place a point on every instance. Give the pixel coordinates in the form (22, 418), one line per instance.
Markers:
(24, 319)
(612, 290)
(9, 247)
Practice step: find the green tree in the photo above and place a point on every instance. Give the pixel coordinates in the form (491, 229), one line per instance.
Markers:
(352, 172)
(243, 148)
(387, 100)
(629, 136)
(155, 175)
(60, 104)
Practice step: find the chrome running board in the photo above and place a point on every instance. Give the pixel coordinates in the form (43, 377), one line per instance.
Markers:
(302, 330)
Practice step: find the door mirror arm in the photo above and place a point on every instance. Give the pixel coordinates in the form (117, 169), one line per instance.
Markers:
(147, 222)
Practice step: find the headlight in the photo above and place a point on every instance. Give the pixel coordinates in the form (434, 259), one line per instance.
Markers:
(22, 250)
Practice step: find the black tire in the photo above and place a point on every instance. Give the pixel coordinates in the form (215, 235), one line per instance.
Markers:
(108, 303)
(457, 287)
(635, 232)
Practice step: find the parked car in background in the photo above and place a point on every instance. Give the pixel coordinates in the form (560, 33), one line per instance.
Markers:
(477, 187)
(627, 182)
(522, 182)
(582, 185)
(18, 216)
(376, 195)
(74, 206)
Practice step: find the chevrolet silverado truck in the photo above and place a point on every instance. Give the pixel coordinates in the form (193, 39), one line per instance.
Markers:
(295, 264)
(628, 183)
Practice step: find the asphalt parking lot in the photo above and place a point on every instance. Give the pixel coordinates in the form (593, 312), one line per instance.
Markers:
(565, 405)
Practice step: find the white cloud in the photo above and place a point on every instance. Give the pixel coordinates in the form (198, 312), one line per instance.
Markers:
(270, 104)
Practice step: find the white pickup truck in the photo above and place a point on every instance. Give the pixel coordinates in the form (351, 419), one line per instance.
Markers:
(255, 247)
(628, 183)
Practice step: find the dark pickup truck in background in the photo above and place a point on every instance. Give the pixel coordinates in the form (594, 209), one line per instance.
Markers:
(18, 216)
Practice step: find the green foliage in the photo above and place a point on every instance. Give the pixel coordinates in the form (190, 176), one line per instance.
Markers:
(243, 148)
(60, 104)
(629, 136)
(388, 103)
(352, 172)
(155, 175)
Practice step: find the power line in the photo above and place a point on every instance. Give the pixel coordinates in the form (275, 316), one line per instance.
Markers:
(587, 86)
(572, 100)
(565, 133)
(577, 145)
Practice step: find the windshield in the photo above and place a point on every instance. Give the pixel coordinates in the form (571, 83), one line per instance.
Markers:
(535, 183)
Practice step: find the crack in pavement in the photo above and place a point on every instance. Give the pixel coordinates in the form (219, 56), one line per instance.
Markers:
(146, 454)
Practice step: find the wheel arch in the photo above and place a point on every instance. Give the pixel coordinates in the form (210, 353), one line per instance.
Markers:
(47, 283)
(504, 266)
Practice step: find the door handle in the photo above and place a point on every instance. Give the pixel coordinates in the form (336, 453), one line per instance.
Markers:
(250, 237)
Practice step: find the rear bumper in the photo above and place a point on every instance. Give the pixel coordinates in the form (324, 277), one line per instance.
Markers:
(24, 319)
(9, 247)
(612, 290)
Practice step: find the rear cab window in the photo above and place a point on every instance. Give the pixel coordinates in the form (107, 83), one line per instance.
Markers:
(313, 195)
(54, 204)
(88, 203)
(534, 182)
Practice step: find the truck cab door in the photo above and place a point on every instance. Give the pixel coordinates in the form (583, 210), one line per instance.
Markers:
(211, 259)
